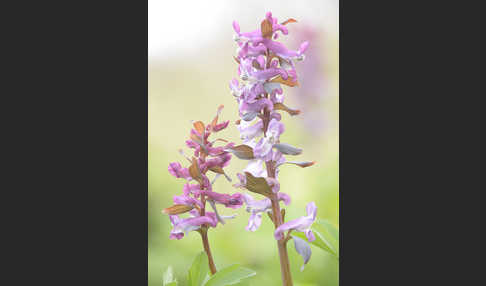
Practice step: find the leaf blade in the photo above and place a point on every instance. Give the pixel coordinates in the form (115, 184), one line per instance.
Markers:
(329, 232)
(199, 270)
(177, 209)
(257, 185)
(287, 149)
(230, 275)
(281, 106)
(243, 152)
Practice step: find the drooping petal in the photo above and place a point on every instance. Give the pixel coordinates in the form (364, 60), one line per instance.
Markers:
(302, 248)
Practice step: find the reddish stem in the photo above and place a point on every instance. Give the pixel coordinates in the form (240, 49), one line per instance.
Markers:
(282, 243)
(204, 237)
(207, 249)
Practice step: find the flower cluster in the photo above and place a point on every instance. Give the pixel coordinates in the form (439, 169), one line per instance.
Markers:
(264, 66)
(198, 189)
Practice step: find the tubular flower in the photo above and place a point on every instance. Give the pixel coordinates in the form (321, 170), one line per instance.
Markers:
(264, 67)
(302, 224)
(182, 226)
(256, 208)
(198, 188)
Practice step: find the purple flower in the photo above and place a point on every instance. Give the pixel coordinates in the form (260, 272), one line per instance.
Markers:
(256, 167)
(187, 200)
(176, 170)
(264, 146)
(249, 131)
(264, 66)
(207, 157)
(230, 201)
(302, 224)
(182, 226)
(191, 189)
(256, 208)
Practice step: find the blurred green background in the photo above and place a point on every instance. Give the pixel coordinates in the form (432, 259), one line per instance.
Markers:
(190, 66)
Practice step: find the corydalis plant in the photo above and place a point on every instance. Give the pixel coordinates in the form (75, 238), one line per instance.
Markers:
(198, 190)
(264, 66)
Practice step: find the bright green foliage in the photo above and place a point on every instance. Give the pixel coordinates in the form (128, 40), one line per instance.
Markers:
(199, 270)
(230, 275)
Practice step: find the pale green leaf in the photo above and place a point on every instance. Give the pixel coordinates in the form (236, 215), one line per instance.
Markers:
(230, 275)
(320, 241)
(168, 277)
(329, 232)
(199, 270)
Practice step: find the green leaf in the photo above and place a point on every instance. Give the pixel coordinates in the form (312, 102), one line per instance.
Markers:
(230, 275)
(199, 270)
(324, 240)
(329, 232)
(168, 277)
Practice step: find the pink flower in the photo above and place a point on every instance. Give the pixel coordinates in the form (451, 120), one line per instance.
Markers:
(176, 170)
(265, 65)
(187, 200)
(302, 224)
(207, 157)
(182, 226)
(191, 189)
(230, 201)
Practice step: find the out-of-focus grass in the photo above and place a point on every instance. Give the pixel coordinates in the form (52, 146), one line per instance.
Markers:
(181, 92)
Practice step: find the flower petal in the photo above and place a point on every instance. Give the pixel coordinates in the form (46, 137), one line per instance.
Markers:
(254, 222)
(303, 248)
(310, 235)
(311, 209)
